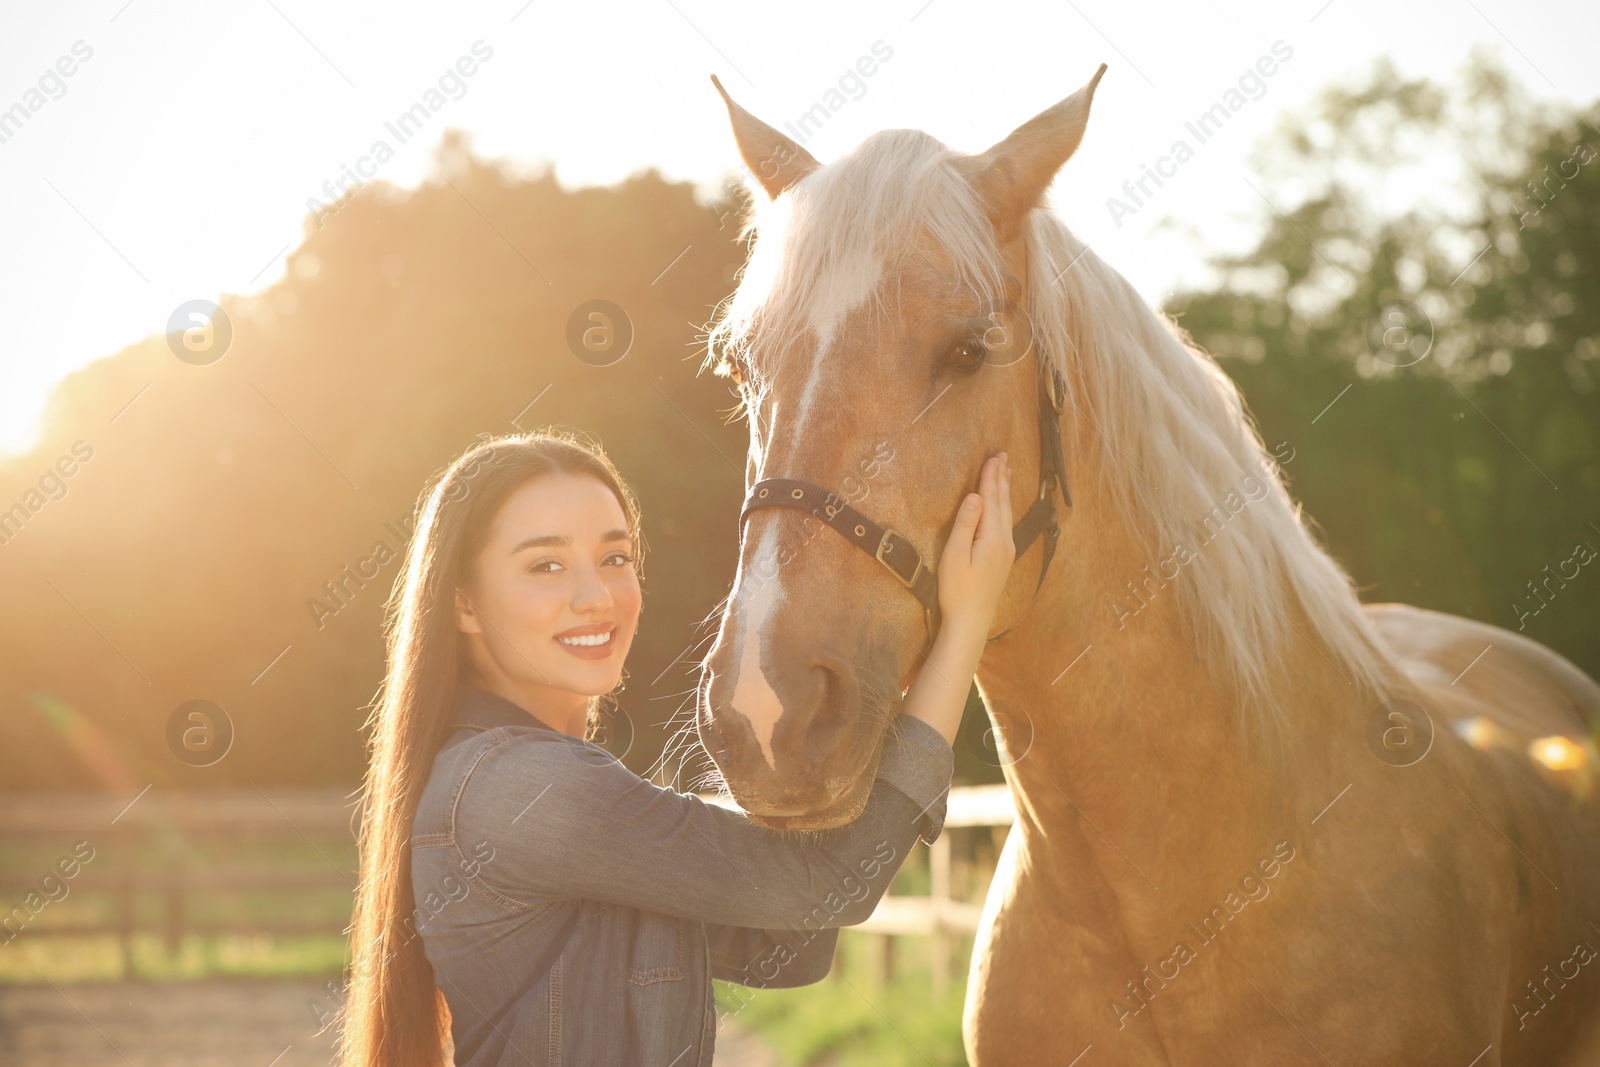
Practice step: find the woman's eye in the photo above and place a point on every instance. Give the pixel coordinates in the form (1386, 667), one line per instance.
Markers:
(543, 565)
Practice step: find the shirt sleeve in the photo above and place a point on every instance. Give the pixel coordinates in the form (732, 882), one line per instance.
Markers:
(568, 821)
(770, 959)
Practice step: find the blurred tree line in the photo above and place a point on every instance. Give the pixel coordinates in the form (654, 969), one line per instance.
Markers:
(1421, 320)
(227, 506)
(1432, 362)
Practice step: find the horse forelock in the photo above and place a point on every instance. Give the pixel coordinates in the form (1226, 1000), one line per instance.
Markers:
(836, 240)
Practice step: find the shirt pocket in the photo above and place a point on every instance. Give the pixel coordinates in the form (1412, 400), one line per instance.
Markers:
(659, 945)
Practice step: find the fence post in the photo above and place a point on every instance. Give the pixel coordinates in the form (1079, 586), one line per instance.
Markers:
(939, 868)
(173, 934)
(126, 904)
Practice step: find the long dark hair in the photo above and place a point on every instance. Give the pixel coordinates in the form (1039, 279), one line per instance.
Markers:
(393, 1016)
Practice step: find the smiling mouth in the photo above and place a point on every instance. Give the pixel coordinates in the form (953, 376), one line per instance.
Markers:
(588, 640)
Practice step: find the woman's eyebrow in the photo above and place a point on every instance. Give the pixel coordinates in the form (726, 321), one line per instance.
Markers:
(562, 540)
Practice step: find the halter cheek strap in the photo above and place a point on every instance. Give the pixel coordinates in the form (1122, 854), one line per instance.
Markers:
(897, 554)
(1041, 514)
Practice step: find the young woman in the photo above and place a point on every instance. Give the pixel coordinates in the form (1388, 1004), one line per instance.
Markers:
(525, 898)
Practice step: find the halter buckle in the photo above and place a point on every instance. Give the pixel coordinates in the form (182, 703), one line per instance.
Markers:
(885, 546)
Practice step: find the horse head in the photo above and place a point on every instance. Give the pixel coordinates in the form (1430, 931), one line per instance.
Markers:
(882, 347)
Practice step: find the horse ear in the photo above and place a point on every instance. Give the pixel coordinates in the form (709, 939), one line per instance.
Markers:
(776, 161)
(1012, 175)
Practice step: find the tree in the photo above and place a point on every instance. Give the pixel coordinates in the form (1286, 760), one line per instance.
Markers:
(1423, 317)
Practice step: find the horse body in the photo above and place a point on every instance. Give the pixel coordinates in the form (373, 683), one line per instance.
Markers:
(1256, 822)
(1404, 929)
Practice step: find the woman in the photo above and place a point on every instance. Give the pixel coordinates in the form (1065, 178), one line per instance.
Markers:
(567, 910)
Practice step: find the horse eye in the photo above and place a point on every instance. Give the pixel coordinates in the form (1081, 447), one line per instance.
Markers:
(968, 354)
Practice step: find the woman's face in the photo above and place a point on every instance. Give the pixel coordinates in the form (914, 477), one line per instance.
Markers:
(555, 600)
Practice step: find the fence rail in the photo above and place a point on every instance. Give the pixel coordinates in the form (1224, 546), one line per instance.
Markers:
(938, 916)
(147, 852)
(148, 868)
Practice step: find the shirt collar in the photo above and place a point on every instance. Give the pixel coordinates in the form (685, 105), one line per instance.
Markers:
(483, 710)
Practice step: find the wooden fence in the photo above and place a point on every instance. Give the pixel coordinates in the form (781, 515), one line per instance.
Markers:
(941, 915)
(150, 867)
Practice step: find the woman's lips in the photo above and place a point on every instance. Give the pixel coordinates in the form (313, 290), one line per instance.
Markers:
(592, 646)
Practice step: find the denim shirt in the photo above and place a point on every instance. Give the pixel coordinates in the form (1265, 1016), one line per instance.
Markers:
(575, 913)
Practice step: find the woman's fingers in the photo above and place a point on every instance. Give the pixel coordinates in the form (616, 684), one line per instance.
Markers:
(994, 534)
(989, 487)
(978, 553)
(965, 527)
(998, 511)
(988, 524)
(1005, 496)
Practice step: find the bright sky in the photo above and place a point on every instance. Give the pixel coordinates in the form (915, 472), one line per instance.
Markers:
(177, 159)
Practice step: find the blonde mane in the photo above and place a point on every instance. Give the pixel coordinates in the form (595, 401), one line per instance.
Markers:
(1178, 442)
(1174, 439)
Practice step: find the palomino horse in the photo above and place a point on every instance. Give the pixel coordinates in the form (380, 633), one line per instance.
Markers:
(1257, 822)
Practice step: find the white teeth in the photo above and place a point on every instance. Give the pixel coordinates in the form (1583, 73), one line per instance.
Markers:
(592, 639)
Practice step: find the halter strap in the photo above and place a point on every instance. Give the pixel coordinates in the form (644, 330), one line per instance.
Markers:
(897, 554)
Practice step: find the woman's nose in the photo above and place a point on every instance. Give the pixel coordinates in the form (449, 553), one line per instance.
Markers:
(592, 592)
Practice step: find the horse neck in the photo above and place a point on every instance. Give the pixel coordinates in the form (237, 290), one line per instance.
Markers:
(1141, 760)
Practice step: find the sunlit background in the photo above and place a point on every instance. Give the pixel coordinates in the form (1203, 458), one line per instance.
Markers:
(180, 160)
(178, 536)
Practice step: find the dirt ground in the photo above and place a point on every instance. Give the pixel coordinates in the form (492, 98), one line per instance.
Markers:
(243, 1023)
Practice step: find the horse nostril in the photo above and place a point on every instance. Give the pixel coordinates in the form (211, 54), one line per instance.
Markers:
(709, 729)
(828, 714)
(835, 708)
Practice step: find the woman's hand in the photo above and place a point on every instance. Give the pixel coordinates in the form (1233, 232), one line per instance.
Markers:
(978, 555)
(972, 572)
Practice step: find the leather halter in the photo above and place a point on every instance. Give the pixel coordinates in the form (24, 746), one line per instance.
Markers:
(891, 548)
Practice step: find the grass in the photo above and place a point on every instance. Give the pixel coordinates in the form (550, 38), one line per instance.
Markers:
(98, 958)
(853, 1018)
